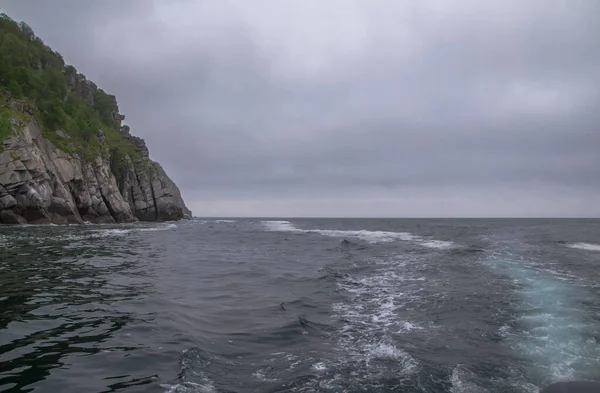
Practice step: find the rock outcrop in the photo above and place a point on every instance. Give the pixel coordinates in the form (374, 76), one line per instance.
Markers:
(150, 192)
(40, 183)
(65, 157)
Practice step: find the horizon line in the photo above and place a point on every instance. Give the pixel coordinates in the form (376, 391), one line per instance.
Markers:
(406, 217)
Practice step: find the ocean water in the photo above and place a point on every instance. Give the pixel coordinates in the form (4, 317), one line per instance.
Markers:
(300, 305)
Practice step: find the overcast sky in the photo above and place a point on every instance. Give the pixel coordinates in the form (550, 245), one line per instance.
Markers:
(351, 108)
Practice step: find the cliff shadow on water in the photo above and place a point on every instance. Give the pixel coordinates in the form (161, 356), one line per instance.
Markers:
(65, 156)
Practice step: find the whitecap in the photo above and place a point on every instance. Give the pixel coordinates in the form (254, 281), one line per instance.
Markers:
(585, 246)
(160, 228)
(504, 330)
(189, 387)
(261, 375)
(280, 226)
(369, 236)
(319, 367)
(408, 326)
(438, 244)
(464, 381)
(384, 350)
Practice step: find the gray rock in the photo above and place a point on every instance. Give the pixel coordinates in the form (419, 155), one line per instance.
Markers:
(125, 130)
(40, 183)
(10, 217)
(152, 195)
(37, 216)
(62, 134)
(7, 202)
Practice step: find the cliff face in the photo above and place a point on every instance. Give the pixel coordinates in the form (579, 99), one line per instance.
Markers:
(40, 183)
(145, 186)
(64, 155)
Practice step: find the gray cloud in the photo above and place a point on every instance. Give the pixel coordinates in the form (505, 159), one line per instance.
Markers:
(359, 108)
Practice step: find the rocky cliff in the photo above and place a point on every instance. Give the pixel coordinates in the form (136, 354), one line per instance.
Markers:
(64, 155)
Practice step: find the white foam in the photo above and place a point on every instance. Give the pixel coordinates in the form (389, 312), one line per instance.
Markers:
(111, 232)
(362, 234)
(369, 236)
(407, 327)
(438, 244)
(372, 315)
(189, 387)
(319, 367)
(225, 221)
(504, 330)
(108, 233)
(261, 375)
(585, 246)
(121, 232)
(557, 274)
(389, 351)
(387, 312)
(281, 226)
(386, 351)
(464, 381)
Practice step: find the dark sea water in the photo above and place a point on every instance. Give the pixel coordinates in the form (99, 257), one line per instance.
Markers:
(458, 306)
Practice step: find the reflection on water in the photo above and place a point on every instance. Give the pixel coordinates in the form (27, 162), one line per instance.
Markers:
(63, 295)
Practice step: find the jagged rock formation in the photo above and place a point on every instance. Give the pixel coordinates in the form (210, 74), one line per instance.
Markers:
(40, 183)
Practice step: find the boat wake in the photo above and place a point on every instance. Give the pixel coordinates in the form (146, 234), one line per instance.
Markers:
(553, 331)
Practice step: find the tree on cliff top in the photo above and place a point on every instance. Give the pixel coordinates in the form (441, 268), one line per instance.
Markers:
(62, 99)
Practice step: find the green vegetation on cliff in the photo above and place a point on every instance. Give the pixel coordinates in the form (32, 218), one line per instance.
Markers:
(35, 80)
(5, 129)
